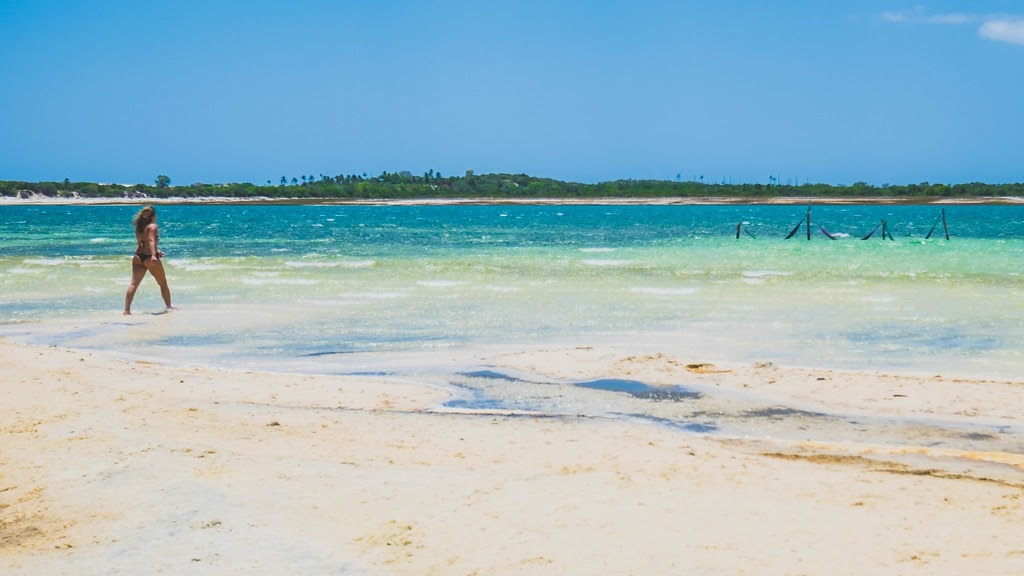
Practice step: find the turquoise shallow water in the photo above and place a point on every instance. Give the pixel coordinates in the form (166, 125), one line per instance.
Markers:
(311, 286)
(429, 293)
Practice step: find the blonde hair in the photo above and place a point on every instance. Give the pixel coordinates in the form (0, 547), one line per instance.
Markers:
(144, 218)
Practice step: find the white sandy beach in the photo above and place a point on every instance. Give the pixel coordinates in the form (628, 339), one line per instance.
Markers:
(610, 201)
(115, 467)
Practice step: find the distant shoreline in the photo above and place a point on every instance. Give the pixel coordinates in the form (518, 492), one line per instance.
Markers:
(610, 201)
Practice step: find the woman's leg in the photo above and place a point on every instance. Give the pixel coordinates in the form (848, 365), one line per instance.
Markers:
(156, 268)
(138, 273)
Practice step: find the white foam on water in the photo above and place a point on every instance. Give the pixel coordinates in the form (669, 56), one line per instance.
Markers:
(599, 249)
(324, 303)
(358, 263)
(20, 270)
(193, 266)
(77, 261)
(353, 297)
(280, 281)
(497, 288)
(359, 303)
(666, 291)
(320, 264)
(331, 264)
(595, 262)
(440, 283)
(879, 299)
(385, 295)
(103, 264)
(97, 240)
(755, 274)
(45, 261)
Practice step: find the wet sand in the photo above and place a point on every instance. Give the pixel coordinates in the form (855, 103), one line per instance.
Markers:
(115, 467)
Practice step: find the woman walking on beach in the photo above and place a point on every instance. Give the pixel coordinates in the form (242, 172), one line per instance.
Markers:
(147, 257)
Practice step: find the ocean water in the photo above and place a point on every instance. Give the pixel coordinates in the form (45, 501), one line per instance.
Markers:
(420, 290)
(281, 283)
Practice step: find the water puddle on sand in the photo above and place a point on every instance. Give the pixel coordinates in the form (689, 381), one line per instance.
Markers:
(730, 416)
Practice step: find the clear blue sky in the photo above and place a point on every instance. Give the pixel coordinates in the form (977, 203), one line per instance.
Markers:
(588, 91)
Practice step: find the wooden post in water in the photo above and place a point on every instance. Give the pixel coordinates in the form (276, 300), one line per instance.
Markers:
(738, 227)
(945, 227)
(808, 222)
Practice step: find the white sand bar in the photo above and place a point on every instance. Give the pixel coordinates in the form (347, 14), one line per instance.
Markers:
(115, 467)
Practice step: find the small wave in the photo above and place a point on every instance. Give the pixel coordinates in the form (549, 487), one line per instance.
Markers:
(879, 299)
(79, 261)
(295, 264)
(358, 263)
(282, 281)
(45, 261)
(97, 240)
(665, 291)
(325, 303)
(199, 267)
(597, 249)
(353, 298)
(440, 283)
(758, 274)
(386, 295)
(20, 270)
(331, 264)
(607, 262)
(496, 288)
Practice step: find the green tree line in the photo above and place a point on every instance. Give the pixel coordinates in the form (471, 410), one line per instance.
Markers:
(404, 185)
